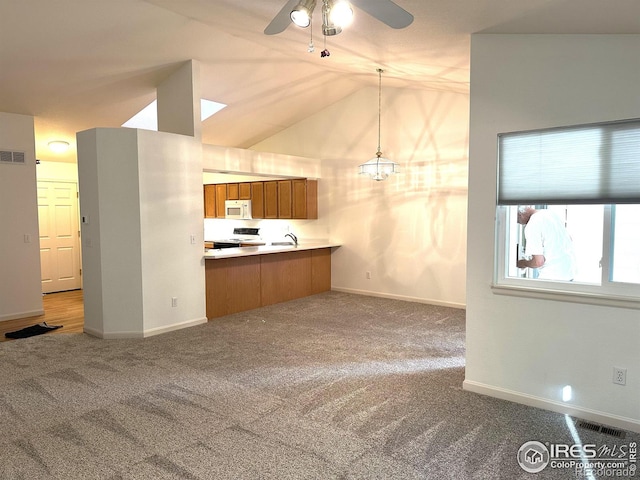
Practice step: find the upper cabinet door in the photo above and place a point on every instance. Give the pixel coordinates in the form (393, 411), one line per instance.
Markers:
(209, 201)
(257, 199)
(305, 198)
(285, 199)
(271, 199)
(232, 191)
(221, 197)
(244, 191)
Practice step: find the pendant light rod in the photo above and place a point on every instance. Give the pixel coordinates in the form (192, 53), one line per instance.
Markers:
(379, 70)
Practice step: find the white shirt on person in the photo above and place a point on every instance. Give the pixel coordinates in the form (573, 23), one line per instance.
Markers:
(546, 235)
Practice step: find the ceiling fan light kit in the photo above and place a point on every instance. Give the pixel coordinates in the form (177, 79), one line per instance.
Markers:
(336, 14)
(341, 13)
(328, 27)
(301, 14)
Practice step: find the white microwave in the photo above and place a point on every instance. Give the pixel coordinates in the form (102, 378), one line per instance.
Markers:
(237, 209)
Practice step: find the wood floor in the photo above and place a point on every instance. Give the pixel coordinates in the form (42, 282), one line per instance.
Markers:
(62, 308)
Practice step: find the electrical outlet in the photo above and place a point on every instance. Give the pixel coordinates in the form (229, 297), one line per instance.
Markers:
(174, 301)
(619, 376)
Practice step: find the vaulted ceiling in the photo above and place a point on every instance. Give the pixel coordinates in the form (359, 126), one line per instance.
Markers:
(79, 64)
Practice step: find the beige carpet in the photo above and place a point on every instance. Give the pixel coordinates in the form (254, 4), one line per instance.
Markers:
(333, 386)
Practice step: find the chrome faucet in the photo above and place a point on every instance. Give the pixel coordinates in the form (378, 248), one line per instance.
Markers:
(293, 237)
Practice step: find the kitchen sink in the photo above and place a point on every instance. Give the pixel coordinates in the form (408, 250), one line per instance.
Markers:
(282, 244)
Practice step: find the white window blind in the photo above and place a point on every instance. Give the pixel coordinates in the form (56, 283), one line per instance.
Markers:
(595, 163)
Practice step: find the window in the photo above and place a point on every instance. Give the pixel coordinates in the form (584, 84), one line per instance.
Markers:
(580, 183)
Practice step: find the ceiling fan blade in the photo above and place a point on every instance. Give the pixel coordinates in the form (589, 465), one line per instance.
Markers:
(386, 11)
(282, 20)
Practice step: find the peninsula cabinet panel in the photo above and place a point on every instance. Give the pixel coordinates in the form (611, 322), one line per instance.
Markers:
(237, 284)
(257, 199)
(285, 276)
(232, 285)
(320, 270)
(244, 191)
(209, 201)
(271, 199)
(285, 199)
(221, 197)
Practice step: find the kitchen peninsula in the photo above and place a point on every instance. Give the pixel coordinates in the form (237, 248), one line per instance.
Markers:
(244, 278)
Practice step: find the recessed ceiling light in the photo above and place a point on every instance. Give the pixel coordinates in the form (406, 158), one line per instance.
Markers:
(147, 118)
(58, 146)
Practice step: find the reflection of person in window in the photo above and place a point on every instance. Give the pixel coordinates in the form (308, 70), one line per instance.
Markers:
(549, 248)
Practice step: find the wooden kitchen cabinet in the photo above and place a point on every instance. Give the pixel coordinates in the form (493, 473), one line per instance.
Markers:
(284, 199)
(271, 199)
(232, 191)
(232, 285)
(221, 197)
(209, 201)
(288, 199)
(243, 283)
(304, 201)
(244, 191)
(239, 191)
(257, 199)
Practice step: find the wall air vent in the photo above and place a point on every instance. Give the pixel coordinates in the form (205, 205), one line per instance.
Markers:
(7, 156)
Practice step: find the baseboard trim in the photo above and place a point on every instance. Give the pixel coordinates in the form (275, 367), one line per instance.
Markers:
(399, 297)
(146, 333)
(15, 316)
(111, 335)
(177, 326)
(604, 418)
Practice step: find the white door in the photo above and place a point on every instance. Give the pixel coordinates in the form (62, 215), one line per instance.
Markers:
(59, 236)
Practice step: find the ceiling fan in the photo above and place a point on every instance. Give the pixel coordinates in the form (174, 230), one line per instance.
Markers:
(384, 10)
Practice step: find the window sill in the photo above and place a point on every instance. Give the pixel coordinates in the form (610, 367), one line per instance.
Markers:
(605, 300)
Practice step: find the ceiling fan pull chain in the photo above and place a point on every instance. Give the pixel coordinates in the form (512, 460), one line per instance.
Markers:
(325, 52)
(311, 48)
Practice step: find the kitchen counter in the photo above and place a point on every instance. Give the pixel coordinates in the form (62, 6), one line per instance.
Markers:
(213, 254)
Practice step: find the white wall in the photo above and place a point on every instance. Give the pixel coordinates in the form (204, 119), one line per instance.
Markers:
(59, 171)
(171, 211)
(20, 284)
(240, 160)
(526, 349)
(142, 194)
(408, 231)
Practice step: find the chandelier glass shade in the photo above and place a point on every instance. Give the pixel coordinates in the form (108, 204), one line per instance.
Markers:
(379, 168)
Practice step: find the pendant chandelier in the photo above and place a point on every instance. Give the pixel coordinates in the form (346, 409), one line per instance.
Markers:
(379, 168)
